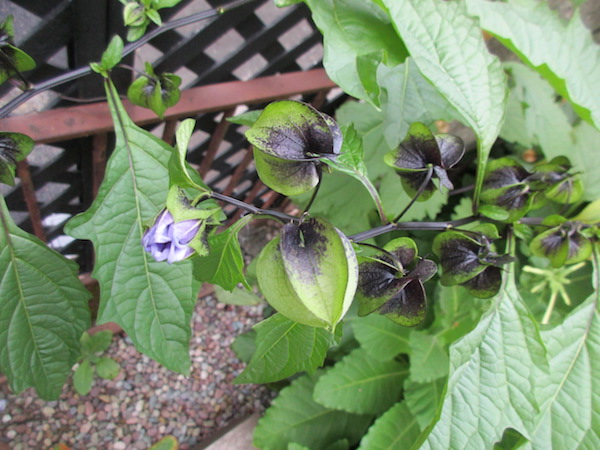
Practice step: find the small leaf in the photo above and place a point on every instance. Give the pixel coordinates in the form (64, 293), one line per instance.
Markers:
(351, 161)
(238, 297)
(96, 343)
(247, 118)
(107, 368)
(166, 443)
(14, 147)
(224, 264)
(283, 348)
(154, 16)
(83, 378)
(295, 417)
(244, 345)
(396, 428)
(113, 53)
(180, 173)
(361, 384)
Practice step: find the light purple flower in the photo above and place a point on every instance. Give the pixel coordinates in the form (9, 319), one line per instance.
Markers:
(167, 240)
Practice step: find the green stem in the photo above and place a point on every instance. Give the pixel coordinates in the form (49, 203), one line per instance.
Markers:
(314, 194)
(410, 226)
(283, 217)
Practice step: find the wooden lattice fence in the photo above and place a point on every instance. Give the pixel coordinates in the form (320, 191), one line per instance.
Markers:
(254, 40)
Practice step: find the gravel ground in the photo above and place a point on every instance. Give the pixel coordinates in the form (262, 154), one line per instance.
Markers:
(146, 401)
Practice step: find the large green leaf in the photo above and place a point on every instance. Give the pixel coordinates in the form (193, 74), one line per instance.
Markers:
(357, 37)
(283, 348)
(534, 117)
(383, 338)
(449, 50)
(429, 357)
(563, 53)
(145, 297)
(493, 377)
(423, 399)
(396, 428)
(569, 394)
(361, 384)
(43, 311)
(295, 417)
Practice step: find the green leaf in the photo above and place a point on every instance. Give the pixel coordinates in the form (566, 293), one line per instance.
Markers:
(352, 29)
(283, 348)
(361, 384)
(113, 53)
(156, 92)
(383, 338)
(43, 312)
(283, 3)
(166, 443)
(14, 147)
(247, 118)
(83, 378)
(535, 117)
(456, 313)
(147, 298)
(224, 265)
(180, 173)
(154, 16)
(569, 394)
(244, 345)
(238, 297)
(160, 4)
(428, 357)
(351, 162)
(95, 343)
(107, 368)
(448, 49)
(493, 374)
(396, 428)
(13, 60)
(423, 399)
(562, 52)
(295, 417)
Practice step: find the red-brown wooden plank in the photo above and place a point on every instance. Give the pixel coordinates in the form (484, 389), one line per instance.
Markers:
(31, 199)
(215, 142)
(84, 120)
